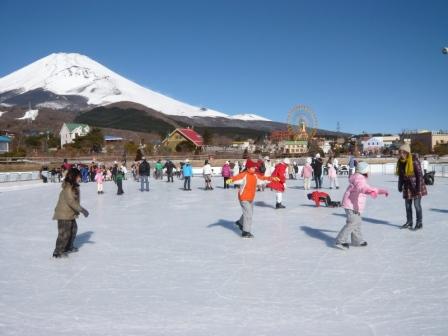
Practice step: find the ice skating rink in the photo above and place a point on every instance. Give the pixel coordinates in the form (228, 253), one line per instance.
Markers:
(171, 262)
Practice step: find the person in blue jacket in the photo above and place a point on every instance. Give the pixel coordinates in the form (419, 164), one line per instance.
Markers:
(187, 171)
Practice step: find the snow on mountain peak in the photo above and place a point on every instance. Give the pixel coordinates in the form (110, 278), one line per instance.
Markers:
(75, 74)
(248, 117)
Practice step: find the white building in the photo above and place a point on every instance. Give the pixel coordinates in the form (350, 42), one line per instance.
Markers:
(70, 131)
(374, 144)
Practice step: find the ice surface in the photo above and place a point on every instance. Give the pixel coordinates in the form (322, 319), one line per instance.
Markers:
(170, 262)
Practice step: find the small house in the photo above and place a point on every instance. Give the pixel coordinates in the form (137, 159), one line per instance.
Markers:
(180, 135)
(70, 131)
(4, 144)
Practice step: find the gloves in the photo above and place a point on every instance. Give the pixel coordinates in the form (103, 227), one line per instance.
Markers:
(276, 179)
(229, 181)
(85, 212)
(373, 193)
(383, 192)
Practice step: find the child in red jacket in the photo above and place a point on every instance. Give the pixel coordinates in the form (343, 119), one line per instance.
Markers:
(319, 196)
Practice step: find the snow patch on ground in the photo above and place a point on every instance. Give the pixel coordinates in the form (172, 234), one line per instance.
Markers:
(30, 114)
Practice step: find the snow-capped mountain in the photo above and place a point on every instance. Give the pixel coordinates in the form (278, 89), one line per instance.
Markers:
(70, 80)
(30, 114)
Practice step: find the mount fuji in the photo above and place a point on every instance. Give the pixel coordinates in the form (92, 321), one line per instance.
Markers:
(70, 81)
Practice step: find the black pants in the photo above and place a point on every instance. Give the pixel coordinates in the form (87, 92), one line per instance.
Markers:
(226, 186)
(418, 210)
(170, 177)
(67, 230)
(187, 180)
(318, 181)
(120, 187)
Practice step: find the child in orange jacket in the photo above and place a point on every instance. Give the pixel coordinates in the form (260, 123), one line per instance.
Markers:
(248, 186)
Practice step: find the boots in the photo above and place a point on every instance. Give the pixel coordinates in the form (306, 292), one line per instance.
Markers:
(407, 225)
(279, 206)
(418, 226)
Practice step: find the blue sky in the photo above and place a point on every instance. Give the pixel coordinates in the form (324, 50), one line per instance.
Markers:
(371, 65)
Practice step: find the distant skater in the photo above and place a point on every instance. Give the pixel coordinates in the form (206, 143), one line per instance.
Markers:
(67, 210)
(187, 171)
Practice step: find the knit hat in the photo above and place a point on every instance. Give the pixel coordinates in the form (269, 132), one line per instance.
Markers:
(251, 164)
(286, 161)
(405, 147)
(317, 155)
(186, 160)
(362, 167)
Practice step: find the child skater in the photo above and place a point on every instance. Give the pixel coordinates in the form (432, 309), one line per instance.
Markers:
(307, 174)
(99, 178)
(354, 201)
(248, 185)
(67, 210)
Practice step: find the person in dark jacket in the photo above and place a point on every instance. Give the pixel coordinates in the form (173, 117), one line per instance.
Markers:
(317, 170)
(144, 170)
(119, 180)
(411, 184)
(169, 166)
(67, 210)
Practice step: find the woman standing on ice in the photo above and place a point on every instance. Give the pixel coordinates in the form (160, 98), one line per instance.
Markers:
(411, 183)
(248, 186)
(354, 202)
(67, 210)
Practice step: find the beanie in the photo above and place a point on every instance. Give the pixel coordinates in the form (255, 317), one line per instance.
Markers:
(251, 164)
(362, 167)
(286, 161)
(405, 147)
(309, 160)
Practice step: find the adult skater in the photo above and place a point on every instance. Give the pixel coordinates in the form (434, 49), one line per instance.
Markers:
(226, 173)
(144, 169)
(248, 186)
(317, 169)
(159, 170)
(119, 180)
(170, 167)
(187, 171)
(354, 202)
(412, 184)
(425, 165)
(67, 210)
(279, 185)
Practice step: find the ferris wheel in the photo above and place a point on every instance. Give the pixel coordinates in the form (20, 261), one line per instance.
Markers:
(302, 122)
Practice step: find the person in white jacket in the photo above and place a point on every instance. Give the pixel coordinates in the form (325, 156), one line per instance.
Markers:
(207, 172)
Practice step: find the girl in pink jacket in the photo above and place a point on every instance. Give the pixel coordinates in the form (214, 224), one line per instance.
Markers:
(354, 202)
(307, 174)
(332, 175)
(99, 178)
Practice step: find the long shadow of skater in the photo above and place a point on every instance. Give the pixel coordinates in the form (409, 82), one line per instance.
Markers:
(263, 204)
(84, 238)
(229, 225)
(439, 210)
(320, 234)
(371, 220)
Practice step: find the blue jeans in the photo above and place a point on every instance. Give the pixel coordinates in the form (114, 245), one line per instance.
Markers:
(144, 180)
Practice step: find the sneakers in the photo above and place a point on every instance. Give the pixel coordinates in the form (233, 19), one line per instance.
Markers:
(279, 206)
(247, 235)
(342, 246)
(240, 226)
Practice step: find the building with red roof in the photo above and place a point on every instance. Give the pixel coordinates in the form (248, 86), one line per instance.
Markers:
(180, 135)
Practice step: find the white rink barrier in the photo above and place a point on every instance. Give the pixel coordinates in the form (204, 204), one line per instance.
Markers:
(441, 170)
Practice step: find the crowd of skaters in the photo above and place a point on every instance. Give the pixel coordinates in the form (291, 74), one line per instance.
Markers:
(249, 176)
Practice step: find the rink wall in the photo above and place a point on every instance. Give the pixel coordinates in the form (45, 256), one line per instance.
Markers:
(441, 170)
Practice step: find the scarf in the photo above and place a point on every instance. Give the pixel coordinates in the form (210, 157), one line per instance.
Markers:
(409, 167)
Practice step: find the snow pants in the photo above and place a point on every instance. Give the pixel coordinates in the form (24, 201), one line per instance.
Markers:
(67, 230)
(351, 228)
(99, 187)
(306, 183)
(246, 217)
